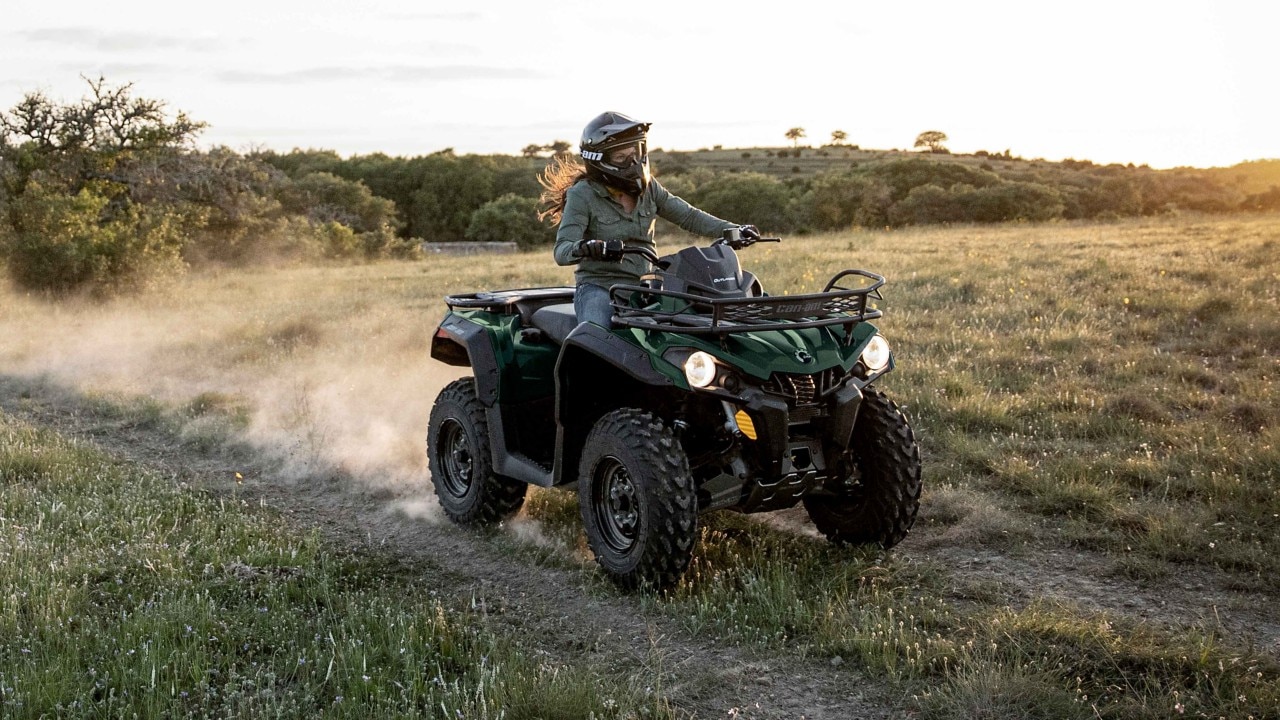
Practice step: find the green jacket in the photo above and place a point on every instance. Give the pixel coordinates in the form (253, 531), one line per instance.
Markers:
(591, 213)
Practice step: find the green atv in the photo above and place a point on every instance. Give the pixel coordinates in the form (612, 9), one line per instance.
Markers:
(707, 394)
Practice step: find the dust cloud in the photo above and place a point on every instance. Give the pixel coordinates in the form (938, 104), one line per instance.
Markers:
(324, 373)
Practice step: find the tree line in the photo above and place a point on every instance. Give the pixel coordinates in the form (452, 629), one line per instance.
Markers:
(110, 194)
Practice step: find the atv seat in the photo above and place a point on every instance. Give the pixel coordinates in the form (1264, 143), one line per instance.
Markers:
(557, 321)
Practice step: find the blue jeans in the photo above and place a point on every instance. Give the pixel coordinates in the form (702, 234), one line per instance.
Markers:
(591, 304)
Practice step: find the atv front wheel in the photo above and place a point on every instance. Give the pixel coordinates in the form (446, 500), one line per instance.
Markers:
(878, 502)
(461, 467)
(637, 500)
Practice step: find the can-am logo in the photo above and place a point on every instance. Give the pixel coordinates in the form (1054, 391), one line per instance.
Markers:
(589, 155)
(804, 356)
(796, 309)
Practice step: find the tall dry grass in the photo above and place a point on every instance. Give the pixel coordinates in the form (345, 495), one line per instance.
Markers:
(1100, 388)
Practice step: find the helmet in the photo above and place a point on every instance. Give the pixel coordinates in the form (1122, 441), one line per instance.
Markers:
(606, 137)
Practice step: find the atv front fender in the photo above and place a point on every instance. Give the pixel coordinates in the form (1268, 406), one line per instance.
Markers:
(598, 371)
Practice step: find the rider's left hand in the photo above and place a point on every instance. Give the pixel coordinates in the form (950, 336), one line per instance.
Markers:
(749, 232)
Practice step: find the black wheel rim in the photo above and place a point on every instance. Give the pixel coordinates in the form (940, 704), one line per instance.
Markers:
(456, 458)
(616, 505)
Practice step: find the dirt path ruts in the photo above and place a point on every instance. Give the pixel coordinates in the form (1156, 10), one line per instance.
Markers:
(554, 612)
(550, 610)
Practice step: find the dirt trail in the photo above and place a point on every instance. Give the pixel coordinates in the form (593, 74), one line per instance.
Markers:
(549, 609)
(1047, 570)
(555, 612)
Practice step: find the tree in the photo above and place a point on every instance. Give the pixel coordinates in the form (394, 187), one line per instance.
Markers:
(838, 137)
(510, 218)
(323, 197)
(933, 140)
(559, 147)
(94, 190)
(110, 135)
(531, 150)
(759, 199)
(794, 135)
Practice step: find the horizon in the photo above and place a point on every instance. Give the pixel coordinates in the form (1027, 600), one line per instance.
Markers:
(1162, 84)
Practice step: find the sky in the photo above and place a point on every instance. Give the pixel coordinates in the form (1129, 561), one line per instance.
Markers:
(1172, 83)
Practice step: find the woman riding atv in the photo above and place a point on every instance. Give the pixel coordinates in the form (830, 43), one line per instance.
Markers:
(611, 203)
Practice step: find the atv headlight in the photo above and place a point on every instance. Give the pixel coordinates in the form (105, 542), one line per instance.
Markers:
(876, 354)
(700, 369)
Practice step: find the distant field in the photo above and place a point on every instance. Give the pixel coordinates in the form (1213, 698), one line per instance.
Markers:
(812, 160)
(1097, 406)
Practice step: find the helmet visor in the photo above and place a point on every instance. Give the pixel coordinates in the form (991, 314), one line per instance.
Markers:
(626, 154)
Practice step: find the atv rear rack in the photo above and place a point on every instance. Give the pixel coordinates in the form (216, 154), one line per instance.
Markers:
(651, 309)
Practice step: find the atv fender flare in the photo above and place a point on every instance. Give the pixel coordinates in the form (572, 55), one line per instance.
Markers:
(461, 342)
(591, 359)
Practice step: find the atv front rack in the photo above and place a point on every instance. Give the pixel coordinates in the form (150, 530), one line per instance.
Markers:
(654, 309)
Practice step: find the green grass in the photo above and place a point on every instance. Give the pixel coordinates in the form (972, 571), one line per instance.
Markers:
(897, 618)
(122, 595)
(1081, 387)
(1107, 389)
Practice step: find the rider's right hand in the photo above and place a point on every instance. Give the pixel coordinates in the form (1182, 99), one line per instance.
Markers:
(607, 250)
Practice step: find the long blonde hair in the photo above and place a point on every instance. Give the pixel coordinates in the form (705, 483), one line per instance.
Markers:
(560, 174)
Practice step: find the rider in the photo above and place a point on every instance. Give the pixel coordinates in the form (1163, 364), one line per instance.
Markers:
(611, 203)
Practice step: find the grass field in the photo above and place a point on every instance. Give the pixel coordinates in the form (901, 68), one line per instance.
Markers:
(1099, 535)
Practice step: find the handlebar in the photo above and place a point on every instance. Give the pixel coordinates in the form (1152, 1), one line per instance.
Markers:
(737, 243)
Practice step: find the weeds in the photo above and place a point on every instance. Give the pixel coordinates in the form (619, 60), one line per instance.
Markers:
(121, 595)
(1108, 389)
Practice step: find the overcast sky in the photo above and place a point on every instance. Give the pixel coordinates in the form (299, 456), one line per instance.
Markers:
(1163, 83)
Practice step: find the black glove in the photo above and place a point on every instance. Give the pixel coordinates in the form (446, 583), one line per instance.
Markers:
(749, 232)
(607, 250)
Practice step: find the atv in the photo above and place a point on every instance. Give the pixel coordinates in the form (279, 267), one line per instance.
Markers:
(706, 394)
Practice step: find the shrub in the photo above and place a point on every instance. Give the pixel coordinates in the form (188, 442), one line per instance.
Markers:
(338, 240)
(383, 243)
(510, 218)
(926, 204)
(838, 200)
(749, 198)
(325, 197)
(903, 175)
(1011, 201)
(62, 243)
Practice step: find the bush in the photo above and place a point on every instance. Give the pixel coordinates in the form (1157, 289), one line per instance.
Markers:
(925, 205)
(510, 218)
(324, 197)
(62, 243)
(1011, 201)
(383, 243)
(749, 198)
(839, 200)
(903, 175)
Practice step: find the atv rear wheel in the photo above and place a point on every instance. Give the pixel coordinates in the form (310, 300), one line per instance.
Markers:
(878, 502)
(637, 500)
(461, 466)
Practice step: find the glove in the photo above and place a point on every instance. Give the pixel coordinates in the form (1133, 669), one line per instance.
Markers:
(607, 250)
(749, 232)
